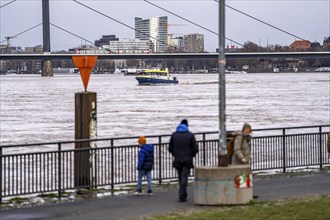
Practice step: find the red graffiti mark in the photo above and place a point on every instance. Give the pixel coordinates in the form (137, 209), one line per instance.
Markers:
(237, 182)
(243, 181)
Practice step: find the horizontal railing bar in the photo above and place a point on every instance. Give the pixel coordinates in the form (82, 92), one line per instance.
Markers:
(290, 128)
(148, 136)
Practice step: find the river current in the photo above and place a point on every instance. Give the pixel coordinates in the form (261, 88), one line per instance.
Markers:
(41, 109)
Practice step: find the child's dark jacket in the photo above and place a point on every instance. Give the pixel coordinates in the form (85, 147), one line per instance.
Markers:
(146, 157)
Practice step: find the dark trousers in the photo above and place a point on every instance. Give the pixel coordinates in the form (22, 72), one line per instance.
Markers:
(183, 173)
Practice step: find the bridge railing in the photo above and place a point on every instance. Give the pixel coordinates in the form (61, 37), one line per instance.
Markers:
(57, 166)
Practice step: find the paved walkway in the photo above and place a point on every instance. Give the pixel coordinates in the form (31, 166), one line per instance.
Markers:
(129, 206)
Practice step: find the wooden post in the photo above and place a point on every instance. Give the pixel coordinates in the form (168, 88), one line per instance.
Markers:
(85, 128)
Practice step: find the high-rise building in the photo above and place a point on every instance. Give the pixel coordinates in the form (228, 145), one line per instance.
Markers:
(194, 43)
(153, 29)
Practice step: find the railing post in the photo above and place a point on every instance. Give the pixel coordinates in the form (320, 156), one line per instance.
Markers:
(284, 149)
(320, 136)
(112, 166)
(204, 151)
(1, 191)
(59, 172)
(160, 159)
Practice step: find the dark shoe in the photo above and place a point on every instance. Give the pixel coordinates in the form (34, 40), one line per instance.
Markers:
(182, 200)
(150, 192)
(138, 192)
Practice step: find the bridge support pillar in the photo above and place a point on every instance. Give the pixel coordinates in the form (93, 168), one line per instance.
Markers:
(47, 68)
(85, 128)
(229, 185)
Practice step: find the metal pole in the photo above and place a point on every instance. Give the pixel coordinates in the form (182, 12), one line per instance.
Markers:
(45, 25)
(320, 138)
(223, 159)
(284, 149)
(160, 159)
(112, 167)
(59, 171)
(47, 65)
(1, 178)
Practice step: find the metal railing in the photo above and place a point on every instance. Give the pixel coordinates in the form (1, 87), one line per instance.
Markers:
(58, 166)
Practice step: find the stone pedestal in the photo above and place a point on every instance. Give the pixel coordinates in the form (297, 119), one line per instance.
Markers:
(223, 185)
(47, 68)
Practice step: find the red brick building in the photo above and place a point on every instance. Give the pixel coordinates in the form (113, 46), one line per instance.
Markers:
(300, 45)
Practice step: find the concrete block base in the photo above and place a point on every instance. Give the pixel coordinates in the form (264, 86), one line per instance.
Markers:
(47, 68)
(223, 185)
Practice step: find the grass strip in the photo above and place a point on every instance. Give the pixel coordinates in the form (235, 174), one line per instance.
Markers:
(316, 208)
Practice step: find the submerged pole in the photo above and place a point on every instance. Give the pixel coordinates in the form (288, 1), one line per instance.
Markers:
(223, 159)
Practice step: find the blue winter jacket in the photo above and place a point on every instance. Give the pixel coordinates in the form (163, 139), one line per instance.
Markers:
(146, 157)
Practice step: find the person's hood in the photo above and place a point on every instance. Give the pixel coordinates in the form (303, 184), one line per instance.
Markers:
(246, 136)
(182, 128)
(148, 147)
(235, 133)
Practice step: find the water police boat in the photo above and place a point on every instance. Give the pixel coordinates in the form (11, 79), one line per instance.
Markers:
(151, 77)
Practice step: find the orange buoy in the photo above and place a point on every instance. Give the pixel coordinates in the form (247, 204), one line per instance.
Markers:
(85, 65)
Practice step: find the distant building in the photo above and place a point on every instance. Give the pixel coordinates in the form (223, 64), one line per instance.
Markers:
(194, 43)
(300, 45)
(176, 44)
(153, 29)
(128, 46)
(36, 49)
(105, 40)
(326, 43)
(315, 45)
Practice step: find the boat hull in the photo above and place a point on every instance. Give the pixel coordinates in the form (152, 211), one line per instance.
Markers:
(151, 81)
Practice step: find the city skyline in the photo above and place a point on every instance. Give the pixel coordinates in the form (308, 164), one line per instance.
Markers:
(306, 19)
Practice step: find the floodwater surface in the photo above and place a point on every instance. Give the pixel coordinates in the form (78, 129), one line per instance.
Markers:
(41, 109)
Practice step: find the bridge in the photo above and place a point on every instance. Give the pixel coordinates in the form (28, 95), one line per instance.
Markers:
(256, 55)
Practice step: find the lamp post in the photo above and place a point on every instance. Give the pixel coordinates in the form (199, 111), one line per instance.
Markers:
(223, 159)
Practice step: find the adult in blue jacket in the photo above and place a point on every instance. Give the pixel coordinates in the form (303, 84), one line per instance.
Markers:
(184, 148)
(145, 164)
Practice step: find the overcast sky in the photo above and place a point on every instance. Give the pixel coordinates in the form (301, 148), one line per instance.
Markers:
(308, 19)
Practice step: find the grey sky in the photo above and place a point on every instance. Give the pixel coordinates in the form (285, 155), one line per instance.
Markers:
(309, 19)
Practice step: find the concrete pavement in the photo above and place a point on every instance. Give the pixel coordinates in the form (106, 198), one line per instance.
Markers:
(163, 202)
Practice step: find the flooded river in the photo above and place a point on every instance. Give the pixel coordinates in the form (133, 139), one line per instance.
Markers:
(39, 109)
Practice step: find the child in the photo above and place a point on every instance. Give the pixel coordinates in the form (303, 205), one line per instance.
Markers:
(145, 164)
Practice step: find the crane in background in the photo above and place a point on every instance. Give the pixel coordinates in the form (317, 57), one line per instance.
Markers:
(173, 25)
(8, 40)
(167, 25)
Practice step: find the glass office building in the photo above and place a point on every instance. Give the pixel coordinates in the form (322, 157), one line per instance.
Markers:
(155, 30)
